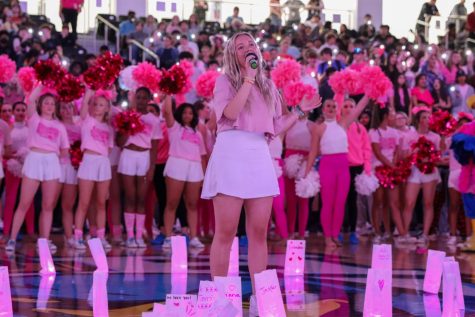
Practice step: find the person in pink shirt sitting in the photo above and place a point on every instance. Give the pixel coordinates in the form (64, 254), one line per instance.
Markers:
(421, 93)
(184, 168)
(137, 168)
(47, 141)
(94, 174)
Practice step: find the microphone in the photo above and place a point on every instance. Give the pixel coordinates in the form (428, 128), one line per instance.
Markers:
(253, 61)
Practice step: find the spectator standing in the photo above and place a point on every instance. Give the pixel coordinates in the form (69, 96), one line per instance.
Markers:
(458, 15)
(428, 10)
(315, 8)
(69, 11)
(200, 9)
(293, 8)
(168, 53)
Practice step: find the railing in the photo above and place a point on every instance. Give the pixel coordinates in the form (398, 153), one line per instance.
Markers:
(108, 25)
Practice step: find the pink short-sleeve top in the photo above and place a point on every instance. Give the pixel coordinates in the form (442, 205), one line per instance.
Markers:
(47, 135)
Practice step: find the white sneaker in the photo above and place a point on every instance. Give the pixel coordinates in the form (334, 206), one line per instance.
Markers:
(130, 243)
(167, 243)
(452, 240)
(253, 309)
(52, 247)
(69, 242)
(377, 239)
(386, 236)
(423, 239)
(196, 243)
(140, 244)
(10, 246)
(79, 244)
(105, 244)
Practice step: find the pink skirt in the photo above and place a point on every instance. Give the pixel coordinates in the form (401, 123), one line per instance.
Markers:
(240, 166)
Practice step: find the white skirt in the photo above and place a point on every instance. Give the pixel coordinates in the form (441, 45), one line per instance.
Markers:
(183, 170)
(42, 166)
(2, 173)
(95, 168)
(69, 175)
(454, 177)
(417, 177)
(114, 155)
(134, 163)
(240, 166)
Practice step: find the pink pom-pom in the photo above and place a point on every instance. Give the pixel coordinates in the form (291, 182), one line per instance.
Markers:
(147, 75)
(205, 84)
(15, 167)
(27, 78)
(285, 72)
(188, 67)
(346, 81)
(7, 68)
(295, 92)
(376, 83)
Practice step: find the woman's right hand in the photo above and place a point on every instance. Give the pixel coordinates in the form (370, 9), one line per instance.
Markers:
(250, 72)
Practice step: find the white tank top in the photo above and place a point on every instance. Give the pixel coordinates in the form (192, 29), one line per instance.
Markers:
(334, 139)
(298, 137)
(276, 148)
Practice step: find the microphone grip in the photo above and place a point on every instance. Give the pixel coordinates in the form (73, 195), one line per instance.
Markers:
(253, 63)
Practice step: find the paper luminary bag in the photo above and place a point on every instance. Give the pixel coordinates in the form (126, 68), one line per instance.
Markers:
(44, 291)
(449, 300)
(180, 305)
(233, 269)
(179, 283)
(458, 283)
(230, 288)
(432, 305)
(207, 295)
(6, 307)
(268, 294)
(295, 257)
(378, 295)
(100, 306)
(382, 258)
(46, 260)
(98, 254)
(433, 275)
(294, 293)
(179, 255)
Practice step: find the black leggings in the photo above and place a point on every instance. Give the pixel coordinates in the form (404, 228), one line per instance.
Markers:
(71, 16)
(161, 191)
(351, 207)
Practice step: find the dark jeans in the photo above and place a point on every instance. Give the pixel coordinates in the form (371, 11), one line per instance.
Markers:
(71, 16)
(351, 213)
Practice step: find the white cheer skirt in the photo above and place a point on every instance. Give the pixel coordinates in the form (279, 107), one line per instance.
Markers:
(183, 170)
(240, 166)
(95, 168)
(42, 166)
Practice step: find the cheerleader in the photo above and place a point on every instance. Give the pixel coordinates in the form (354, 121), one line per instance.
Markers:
(68, 179)
(455, 197)
(417, 179)
(94, 174)
(330, 140)
(240, 172)
(297, 142)
(18, 149)
(137, 169)
(184, 168)
(385, 145)
(47, 141)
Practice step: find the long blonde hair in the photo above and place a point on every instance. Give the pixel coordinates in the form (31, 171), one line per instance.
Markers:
(233, 72)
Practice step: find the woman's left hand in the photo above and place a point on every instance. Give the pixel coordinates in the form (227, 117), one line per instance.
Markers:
(312, 103)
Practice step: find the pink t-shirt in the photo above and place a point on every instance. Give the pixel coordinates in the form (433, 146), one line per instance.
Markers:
(388, 141)
(151, 132)
(412, 136)
(186, 143)
(423, 96)
(96, 136)
(47, 135)
(256, 116)
(72, 4)
(164, 145)
(74, 131)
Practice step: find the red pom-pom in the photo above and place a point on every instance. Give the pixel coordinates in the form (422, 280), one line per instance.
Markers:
(147, 75)
(128, 122)
(49, 72)
(205, 84)
(425, 155)
(174, 81)
(295, 92)
(27, 78)
(285, 72)
(188, 67)
(69, 88)
(346, 81)
(443, 123)
(76, 154)
(7, 68)
(104, 72)
(376, 83)
(391, 177)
